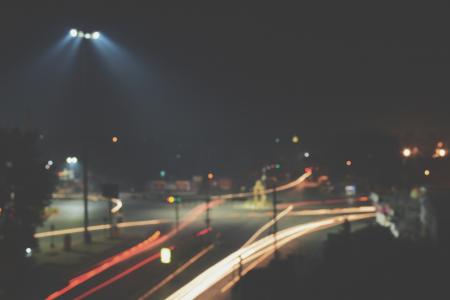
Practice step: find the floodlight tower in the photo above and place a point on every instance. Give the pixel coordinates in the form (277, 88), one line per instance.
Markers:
(95, 35)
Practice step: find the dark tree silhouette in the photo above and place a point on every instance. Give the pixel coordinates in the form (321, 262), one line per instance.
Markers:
(25, 190)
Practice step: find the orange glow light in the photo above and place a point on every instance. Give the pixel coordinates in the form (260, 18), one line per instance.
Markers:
(115, 139)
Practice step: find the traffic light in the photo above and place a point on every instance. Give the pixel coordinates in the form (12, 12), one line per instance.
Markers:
(170, 199)
(166, 255)
(173, 199)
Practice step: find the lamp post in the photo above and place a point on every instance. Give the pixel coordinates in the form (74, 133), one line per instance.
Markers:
(78, 34)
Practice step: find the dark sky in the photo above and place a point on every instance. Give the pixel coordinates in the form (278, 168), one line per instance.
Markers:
(215, 73)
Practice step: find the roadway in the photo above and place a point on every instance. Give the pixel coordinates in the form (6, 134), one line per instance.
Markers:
(232, 224)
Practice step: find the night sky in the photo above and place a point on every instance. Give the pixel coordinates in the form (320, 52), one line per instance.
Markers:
(218, 81)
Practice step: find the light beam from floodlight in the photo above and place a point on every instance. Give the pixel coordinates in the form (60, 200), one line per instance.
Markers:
(96, 35)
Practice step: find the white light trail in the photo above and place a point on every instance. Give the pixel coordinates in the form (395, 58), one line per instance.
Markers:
(118, 204)
(267, 225)
(223, 268)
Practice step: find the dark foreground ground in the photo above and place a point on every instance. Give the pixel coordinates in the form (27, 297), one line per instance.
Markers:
(366, 264)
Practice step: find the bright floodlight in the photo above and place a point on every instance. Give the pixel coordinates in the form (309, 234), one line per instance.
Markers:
(406, 152)
(80, 34)
(71, 160)
(442, 152)
(87, 36)
(95, 35)
(73, 32)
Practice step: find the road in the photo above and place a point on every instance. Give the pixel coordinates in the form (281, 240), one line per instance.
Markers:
(232, 224)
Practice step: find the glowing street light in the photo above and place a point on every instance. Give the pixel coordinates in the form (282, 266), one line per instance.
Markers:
(210, 176)
(348, 163)
(295, 139)
(306, 154)
(406, 152)
(75, 33)
(72, 160)
(115, 139)
(442, 152)
(427, 172)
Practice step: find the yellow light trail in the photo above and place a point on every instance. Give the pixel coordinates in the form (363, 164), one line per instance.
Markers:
(96, 227)
(223, 268)
(334, 211)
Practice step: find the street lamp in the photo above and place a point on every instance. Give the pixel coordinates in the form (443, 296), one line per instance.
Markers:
(406, 152)
(75, 33)
(78, 34)
(71, 160)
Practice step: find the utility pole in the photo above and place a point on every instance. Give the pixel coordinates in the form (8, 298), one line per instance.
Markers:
(207, 219)
(274, 207)
(208, 199)
(87, 235)
(177, 215)
(275, 223)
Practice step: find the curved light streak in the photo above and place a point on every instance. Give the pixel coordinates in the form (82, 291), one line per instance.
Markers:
(118, 204)
(224, 267)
